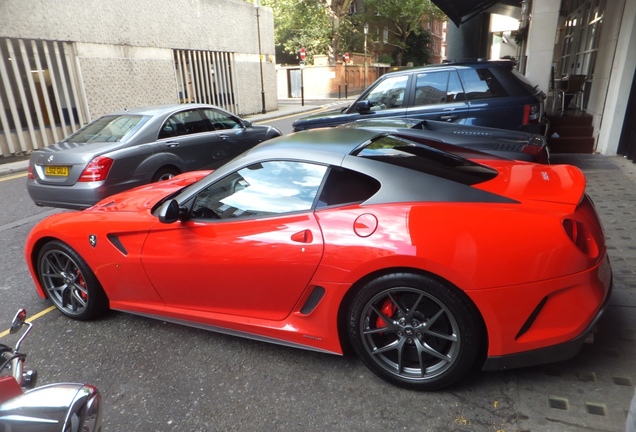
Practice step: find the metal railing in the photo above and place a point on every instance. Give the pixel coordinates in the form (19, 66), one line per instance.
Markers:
(42, 96)
(206, 77)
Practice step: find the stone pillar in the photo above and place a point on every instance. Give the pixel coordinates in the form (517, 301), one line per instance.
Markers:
(541, 39)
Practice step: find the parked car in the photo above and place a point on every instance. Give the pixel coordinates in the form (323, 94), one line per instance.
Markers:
(479, 93)
(501, 142)
(133, 147)
(426, 262)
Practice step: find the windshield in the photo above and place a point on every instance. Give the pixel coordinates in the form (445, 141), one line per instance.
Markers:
(110, 128)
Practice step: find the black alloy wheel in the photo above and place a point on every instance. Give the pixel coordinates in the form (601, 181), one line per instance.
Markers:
(415, 331)
(69, 282)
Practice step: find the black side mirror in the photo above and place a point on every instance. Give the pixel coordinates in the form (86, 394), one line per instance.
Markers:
(169, 212)
(247, 124)
(363, 107)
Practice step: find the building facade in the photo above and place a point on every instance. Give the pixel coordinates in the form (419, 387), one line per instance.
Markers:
(592, 40)
(63, 64)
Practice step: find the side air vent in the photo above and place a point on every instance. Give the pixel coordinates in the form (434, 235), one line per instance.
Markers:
(117, 243)
(533, 316)
(313, 300)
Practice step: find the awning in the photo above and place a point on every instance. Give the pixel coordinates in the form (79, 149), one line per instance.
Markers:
(460, 11)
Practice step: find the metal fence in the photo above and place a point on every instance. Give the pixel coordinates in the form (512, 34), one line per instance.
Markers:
(206, 77)
(42, 95)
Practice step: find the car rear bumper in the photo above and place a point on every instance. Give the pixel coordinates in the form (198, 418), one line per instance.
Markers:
(557, 352)
(78, 197)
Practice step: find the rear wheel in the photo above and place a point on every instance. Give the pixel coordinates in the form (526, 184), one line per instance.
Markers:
(69, 282)
(415, 331)
(165, 173)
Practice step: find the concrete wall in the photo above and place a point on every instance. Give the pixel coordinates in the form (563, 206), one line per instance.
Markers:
(125, 47)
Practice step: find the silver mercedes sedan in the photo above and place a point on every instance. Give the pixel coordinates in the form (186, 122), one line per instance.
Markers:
(126, 149)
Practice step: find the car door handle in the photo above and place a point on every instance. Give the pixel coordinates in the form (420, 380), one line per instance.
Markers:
(172, 144)
(304, 236)
(448, 117)
(224, 137)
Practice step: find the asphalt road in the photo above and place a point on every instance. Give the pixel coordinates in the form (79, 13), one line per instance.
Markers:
(156, 376)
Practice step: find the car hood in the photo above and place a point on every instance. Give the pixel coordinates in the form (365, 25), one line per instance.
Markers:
(523, 182)
(145, 197)
(67, 152)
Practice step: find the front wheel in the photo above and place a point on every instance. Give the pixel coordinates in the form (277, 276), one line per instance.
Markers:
(69, 282)
(415, 331)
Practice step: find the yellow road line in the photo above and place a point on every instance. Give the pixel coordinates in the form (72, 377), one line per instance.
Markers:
(11, 177)
(31, 319)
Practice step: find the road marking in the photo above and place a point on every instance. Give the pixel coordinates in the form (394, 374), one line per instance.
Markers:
(31, 319)
(12, 177)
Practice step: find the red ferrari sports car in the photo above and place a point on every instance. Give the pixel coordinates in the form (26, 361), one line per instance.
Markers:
(424, 257)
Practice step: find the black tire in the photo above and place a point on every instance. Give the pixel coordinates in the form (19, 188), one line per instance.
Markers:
(165, 173)
(415, 331)
(69, 282)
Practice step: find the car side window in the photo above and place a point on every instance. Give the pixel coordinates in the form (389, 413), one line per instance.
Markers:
(262, 189)
(184, 123)
(481, 84)
(388, 93)
(221, 120)
(455, 92)
(346, 187)
(430, 88)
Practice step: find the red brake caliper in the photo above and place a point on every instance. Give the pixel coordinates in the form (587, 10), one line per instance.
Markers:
(82, 282)
(388, 309)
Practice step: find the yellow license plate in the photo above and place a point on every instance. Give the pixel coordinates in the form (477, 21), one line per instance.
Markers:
(61, 171)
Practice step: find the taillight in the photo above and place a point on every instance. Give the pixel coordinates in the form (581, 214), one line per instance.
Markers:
(581, 237)
(537, 147)
(96, 170)
(531, 114)
(30, 174)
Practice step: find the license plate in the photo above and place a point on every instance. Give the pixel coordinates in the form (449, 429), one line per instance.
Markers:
(61, 171)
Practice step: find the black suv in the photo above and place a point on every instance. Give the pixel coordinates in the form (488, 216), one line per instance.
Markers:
(479, 93)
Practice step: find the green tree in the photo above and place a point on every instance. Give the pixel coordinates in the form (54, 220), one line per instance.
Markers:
(402, 18)
(300, 24)
(316, 25)
(417, 49)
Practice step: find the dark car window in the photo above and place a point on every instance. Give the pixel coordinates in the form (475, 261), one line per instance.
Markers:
(345, 187)
(110, 128)
(430, 88)
(388, 93)
(184, 123)
(481, 84)
(455, 89)
(422, 158)
(262, 189)
(221, 120)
